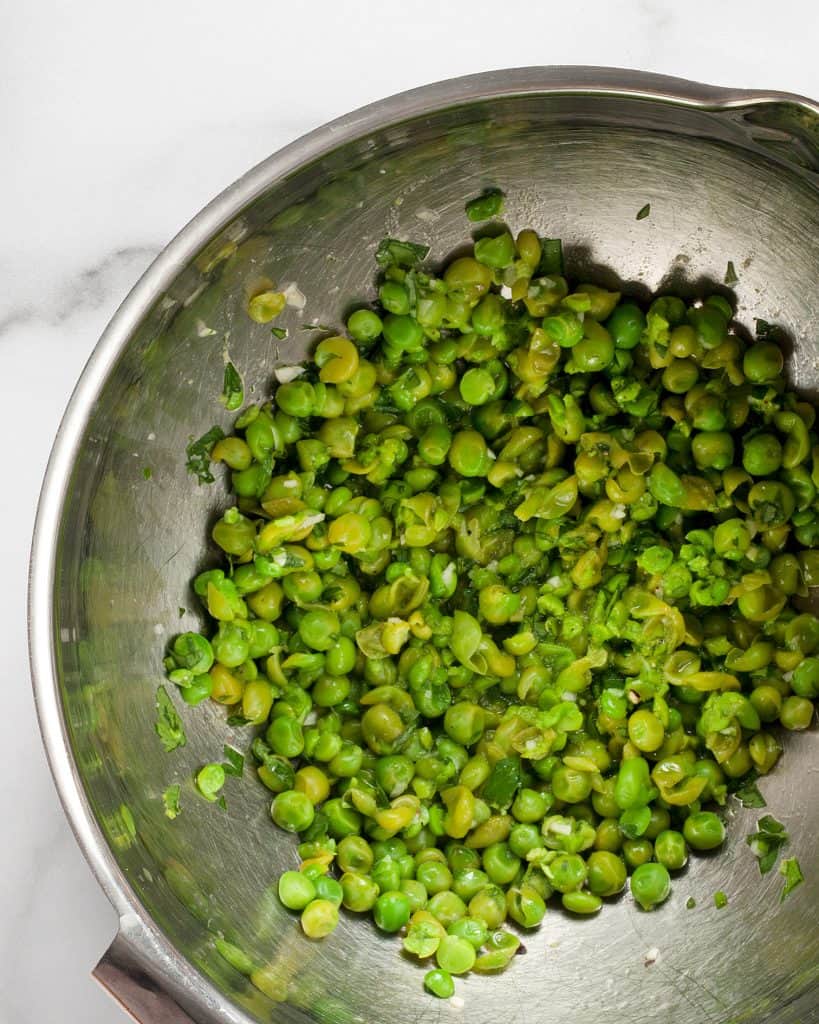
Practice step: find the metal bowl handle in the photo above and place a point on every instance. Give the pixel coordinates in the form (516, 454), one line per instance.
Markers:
(134, 983)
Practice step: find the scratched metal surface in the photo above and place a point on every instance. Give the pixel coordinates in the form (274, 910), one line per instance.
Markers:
(724, 184)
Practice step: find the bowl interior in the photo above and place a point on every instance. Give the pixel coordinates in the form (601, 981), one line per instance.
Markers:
(578, 167)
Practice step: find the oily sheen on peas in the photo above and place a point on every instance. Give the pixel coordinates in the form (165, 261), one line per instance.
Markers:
(510, 595)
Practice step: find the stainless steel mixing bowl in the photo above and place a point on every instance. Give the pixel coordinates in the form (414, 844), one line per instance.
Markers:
(730, 176)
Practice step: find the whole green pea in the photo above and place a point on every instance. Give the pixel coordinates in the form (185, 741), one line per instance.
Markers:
(763, 362)
(296, 890)
(364, 325)
(469, 881)
(439, 983)
(570, 785)
(704, 831)
(796, 714)
(626, 325)
(468, 454)
(805, 679)
(500, 863)
(606, 873)
(447, 907)
(637, 852)
(762, 455)
(403, 332)
(292, 811)
(592, 354)
(285, 736)
(581, 902)
(464, 723)
(394, 297)
(650, 885)
(359, 892)
(354, 853)
(713, 449)
(670, 850)
(391, 911)
(434, 876)
(530, 805)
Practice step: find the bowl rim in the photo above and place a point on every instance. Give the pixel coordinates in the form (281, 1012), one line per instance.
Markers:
(136, 924)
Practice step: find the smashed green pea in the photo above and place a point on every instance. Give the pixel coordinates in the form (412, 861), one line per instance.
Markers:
(510, 592)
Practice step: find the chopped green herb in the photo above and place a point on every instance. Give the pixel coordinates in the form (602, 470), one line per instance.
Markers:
(181, 611)
(764, 331)
(198, 453)
(222, 803)
(392, 252)
(233, 391)
(279, 332)
(147, 472)
(644, 211)
(690, 903)
(730, 274)
(316, 327)
(170, 799)
(767, 841)
(235, 762)
(720, 900)
(209, 780)
(485, 206)
(503, 783)
(168, 723)
(792, 873)
(749, 795)
(551, 256)
(236, 720)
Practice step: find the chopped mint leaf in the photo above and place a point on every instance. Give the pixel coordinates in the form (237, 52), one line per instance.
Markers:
(503, 782)
(279, 332)
(749, 796)
(170, 799)
(720, 900)
(551, 257)
(233, 391)
(147, 472)
(168, 723)
(643, 212)
(767, 841)
(198, 453)
(792, 873)
(730, 274)
(237, 720)
(690, 903)
(765, 331)
(235, 762)
(392, 252)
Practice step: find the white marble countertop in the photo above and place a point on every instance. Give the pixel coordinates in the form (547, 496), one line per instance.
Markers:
(118, 123)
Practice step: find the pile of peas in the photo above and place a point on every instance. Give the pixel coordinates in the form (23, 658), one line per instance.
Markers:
(512, 592)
